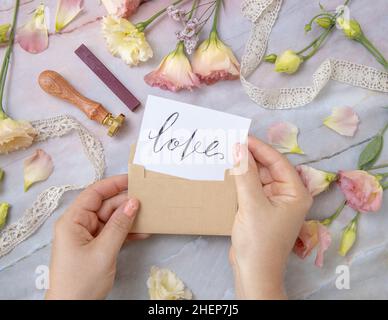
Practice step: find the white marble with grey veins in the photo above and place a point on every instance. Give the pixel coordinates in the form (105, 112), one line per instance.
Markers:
(202, 262)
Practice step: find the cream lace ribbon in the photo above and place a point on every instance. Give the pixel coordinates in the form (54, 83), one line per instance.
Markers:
(263, 14)
(48, 200)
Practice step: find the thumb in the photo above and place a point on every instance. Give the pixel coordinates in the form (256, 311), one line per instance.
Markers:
(116, 230)
(247, 179)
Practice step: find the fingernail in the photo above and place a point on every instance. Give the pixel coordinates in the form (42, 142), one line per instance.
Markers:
(131, 207)
(237, 154)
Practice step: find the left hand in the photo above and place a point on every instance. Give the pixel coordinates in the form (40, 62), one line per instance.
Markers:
(88, 238)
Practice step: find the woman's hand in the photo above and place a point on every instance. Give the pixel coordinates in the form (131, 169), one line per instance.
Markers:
(273, 203)
(88, 238)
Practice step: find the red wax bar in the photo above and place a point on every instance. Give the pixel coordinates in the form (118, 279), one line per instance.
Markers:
(107, 77)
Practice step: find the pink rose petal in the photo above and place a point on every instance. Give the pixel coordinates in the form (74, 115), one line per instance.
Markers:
(283, 136)
(343, 120)
(67, 10)
(37, 167)
(33, 36)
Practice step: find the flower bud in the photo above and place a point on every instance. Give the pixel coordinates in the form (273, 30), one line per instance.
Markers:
(4, 206)
(270, 58)
(348, 238)
(324, 22)
(351, 28)
(288, 62)
(4, 32)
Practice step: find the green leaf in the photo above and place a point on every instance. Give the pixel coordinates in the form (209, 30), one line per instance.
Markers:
(371, 153)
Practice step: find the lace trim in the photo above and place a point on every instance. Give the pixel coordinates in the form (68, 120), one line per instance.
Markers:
(48, 200)
(263, 14)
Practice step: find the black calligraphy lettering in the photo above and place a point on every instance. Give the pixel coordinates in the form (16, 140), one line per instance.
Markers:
(174, 143)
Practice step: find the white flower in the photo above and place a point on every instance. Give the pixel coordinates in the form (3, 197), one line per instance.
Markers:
(15, 135)
(163, 284)
(126, 41)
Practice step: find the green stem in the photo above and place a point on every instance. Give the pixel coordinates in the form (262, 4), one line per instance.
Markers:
(7, 56)
(373, 50)
(335, 215)
(193, 8)
(317, 45)
(381, 175)
(216, 14)
(380, 166)
(318, 41)
(144, 24)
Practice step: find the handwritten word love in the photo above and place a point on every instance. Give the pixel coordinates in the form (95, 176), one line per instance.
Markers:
(188, 147)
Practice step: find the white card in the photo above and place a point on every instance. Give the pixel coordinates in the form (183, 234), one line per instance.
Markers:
(188, 141)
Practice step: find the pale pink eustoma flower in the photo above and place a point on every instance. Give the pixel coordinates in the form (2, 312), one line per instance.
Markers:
(363, 191)
(214, 61)
(312, 234)
(283, 136)
(316, 181)
(343, 120)
(37, 167)
(121, 8)
(174, 73)
(67, 10)
(33, 36)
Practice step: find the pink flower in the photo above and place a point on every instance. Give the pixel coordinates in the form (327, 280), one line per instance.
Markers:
(283, 136)
(363, 191)
(121, 8)
(214, 61)
(67, 10)
(316, 181)
(312, 234)
(33, 36)
(174, 72)
(343, 120)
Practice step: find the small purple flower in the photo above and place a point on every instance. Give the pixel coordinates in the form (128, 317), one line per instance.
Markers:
(191, 43)
(190, 28)
(176, 14)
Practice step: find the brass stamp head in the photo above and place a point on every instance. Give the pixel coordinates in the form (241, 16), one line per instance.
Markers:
(113, 123)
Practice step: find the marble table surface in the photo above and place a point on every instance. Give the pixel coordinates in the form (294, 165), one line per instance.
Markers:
(202, 262)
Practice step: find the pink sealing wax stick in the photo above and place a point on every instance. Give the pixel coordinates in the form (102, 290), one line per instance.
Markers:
(107, 77)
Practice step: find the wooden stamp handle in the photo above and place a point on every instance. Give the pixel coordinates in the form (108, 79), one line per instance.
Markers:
(53, 83)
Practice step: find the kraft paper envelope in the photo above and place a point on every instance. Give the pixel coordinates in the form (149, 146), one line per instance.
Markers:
(173, 205)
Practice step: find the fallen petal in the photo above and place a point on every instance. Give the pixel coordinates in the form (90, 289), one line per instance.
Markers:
(324, 237)
(283, 136)
(37, 167)
(67, 10)
(343, 120)
(33, 36)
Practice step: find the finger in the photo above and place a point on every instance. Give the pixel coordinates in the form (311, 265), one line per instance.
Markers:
(277, 164)
(91, 198)
(282, 189)
(265, 175)
(87, 219)
(110, 205)
(116, 230)
(246, 174)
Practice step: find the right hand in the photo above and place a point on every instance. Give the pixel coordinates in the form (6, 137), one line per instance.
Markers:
(273, 203)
